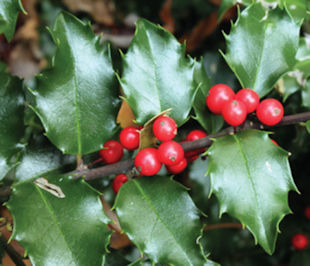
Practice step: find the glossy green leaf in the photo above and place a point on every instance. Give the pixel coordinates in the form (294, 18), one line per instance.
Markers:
(156, 74)
(261, 47)
(305, 95)
(39, 159)
(68, 228)
(8, 16)
(210, 122)
(251, 178)
(11, 120)
(297, 9)
(303, 56)
(163, 223)
(289, 84)
(200, 182)
(227, 4)
(77, 100)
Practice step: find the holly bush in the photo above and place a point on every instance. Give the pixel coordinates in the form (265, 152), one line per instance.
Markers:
(239, 203)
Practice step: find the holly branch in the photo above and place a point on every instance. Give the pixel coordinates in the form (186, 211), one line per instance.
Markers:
(127, 165)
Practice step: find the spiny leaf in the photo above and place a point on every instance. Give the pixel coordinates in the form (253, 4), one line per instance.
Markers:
(68, 229)
(8, 15)
(261, 47)
(77, 100)
(251, 178)
(163, 223)
(210, 122)
(156, 74)
(11, 120)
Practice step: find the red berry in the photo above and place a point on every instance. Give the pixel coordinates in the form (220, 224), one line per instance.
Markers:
(270, 112)
(118, 181)
(234, 112)
(249, 97)
(194, 135)
(217, 97)
(307, 212)
(130, 138)
(177, 168)
(147, 162)
(112, 152)
(190, 157)
(170, 152)
(300, 241)
(165, 128)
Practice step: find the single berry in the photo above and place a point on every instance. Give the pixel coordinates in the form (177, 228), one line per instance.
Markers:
(307, 212)
(130, 138)
(270, 112)
(234, 112)
(217, 97)
(165, 128)
(118, 181)
(177, 168)
(300, 241)
(170, 152)
(112, 152)
(147, 162)
(249, 97)
(274, 142)
(194, 135)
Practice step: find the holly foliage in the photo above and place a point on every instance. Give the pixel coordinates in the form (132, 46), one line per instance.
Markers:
(53, 125)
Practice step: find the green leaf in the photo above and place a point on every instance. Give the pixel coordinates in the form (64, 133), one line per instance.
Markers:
(11, 120)
(227, 4)
(77, 100)
(251, 178)
(305, 95)
(261, 47)
(68, 229)
(303, 56)
(38, 160)
(154, 218)
(297, 9)
(210, 122)
(156, 74)
(8, 15)
(308, 126)
(289, 84)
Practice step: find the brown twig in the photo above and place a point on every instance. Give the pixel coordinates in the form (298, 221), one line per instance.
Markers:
(223, 225)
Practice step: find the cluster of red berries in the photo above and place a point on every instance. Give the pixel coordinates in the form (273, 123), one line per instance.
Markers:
(149, 161)
(222, 100)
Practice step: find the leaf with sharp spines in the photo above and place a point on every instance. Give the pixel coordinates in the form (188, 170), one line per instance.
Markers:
(154, 218)
(251, 178)
(8, 16)
(69, 229)
(11, 120)
(261, 47)
(77, 99)
(157, 75)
